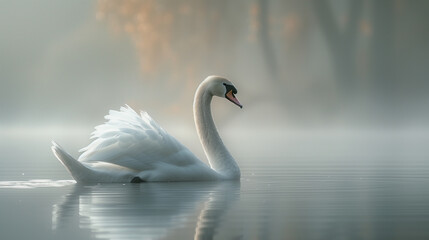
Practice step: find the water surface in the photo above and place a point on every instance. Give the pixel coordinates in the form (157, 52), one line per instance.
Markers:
(365, 193)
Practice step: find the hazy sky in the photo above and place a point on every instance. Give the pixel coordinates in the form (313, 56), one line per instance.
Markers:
(70, 62)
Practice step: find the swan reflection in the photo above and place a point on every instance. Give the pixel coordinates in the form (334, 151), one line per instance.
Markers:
(145, 211)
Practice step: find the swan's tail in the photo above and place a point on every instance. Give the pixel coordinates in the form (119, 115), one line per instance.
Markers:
(76, 168)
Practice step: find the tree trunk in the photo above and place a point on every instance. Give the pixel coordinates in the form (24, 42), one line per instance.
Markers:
(382, 54)
(265, 40)
(341, 44)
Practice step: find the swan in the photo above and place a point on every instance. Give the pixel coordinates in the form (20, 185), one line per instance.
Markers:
(134, 148)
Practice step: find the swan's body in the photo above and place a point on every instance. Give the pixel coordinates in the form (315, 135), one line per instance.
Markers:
(134, 148)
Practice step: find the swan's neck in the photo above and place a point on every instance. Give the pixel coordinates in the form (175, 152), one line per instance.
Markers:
(218, 156)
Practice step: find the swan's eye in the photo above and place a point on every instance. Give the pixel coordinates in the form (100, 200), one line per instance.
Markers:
(230, 88)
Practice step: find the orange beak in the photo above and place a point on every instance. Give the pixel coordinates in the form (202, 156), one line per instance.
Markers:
(230, 96)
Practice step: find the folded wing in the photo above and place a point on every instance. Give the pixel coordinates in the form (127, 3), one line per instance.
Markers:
(136, 142)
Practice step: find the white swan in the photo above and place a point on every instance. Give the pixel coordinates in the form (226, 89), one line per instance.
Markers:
(133, 148)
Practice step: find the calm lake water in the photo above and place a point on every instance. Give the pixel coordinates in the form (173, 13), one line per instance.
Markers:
(309, 185)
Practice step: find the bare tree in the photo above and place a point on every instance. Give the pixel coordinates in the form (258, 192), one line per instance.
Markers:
(382, 51)
(266, 43)
(341, 41)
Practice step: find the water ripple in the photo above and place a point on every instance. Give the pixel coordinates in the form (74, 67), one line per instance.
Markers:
(35, 183)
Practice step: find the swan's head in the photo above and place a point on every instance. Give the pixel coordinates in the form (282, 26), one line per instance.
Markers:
(222, 87)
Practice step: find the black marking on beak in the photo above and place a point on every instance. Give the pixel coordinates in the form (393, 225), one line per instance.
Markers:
(229, 88)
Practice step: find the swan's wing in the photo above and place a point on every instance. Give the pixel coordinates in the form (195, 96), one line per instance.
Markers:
(136, 142)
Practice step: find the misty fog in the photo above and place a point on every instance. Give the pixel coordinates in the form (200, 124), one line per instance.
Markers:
(323, 63)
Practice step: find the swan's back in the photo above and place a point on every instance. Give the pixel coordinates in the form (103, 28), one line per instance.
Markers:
(138, 143)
